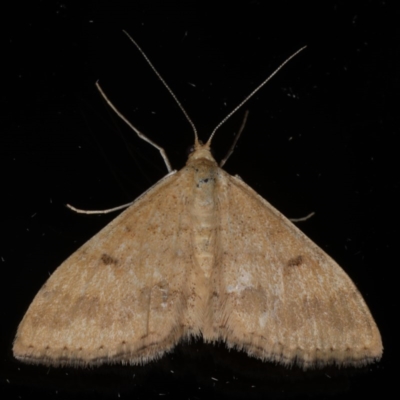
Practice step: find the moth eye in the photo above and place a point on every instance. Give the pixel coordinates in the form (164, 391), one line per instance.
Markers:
(190, 150)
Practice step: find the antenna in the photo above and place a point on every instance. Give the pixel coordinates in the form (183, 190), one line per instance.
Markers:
(166, 86)
(253, 93)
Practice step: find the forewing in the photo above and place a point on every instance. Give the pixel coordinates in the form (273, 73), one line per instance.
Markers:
(121, 296)
(280, 297)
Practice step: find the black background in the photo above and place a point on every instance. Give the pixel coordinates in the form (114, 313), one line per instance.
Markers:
(321, 136)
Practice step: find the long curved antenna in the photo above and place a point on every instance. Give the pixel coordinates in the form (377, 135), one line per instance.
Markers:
(253, 93)
(166, 86)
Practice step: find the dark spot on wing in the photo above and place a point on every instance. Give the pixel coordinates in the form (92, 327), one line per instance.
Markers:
(107, 259)
(295, 261)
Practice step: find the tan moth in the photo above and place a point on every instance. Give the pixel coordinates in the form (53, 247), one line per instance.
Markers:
(200, 254)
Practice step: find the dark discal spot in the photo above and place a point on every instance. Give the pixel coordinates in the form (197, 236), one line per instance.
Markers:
(295, 261)
(215, 294)
(107, 259)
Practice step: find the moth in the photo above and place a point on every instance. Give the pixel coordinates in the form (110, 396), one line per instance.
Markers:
(198, 255)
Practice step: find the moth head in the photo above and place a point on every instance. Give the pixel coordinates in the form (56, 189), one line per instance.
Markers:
(200, 150)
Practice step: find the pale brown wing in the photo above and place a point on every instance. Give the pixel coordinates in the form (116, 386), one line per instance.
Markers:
(279, 296)
(121, 296)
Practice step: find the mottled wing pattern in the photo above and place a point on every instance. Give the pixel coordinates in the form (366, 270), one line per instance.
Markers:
(279, 296)
(121, 296)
